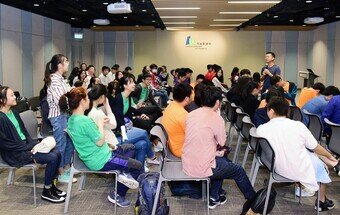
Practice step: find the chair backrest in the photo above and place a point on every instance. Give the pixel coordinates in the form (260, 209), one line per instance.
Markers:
(314, 125)
(30, 122)
(295, 113)
(21, 106)
(239, 116)
(229, 111)
(159, 132)
(34, 102)
(78, 164)
(253, 138)
(266, 153)
(334, 142)
(246, 126)
(158, 121)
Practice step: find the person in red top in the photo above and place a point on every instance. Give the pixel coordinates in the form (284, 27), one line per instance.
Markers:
(209, 75)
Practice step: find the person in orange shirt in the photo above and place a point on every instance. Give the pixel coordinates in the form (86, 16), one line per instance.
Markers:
(308, 93)
(174, 116)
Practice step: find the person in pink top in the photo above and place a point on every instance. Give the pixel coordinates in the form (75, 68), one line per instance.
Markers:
(204, 132)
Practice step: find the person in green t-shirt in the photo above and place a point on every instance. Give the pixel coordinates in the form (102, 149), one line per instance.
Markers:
(89, 141)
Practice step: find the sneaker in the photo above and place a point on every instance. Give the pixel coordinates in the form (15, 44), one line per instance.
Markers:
(213, 203)
(154, 161)
(325, 206)
(222, 193)
(158, 147)
(121, 201)
(57, 191)
(50, 196)
(146, 169)
(337, 168)
(304, 193)
(128, 180)
(65, 178)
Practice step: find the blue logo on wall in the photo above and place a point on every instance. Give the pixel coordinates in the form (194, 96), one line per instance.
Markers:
(190, 42)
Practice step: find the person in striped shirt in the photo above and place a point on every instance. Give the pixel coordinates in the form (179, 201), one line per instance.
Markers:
(56, 87)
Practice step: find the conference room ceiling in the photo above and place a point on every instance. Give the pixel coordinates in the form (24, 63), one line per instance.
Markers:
(187, 14)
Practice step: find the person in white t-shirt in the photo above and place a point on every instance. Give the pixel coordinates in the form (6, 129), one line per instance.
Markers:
(297, 152)
(106, 76)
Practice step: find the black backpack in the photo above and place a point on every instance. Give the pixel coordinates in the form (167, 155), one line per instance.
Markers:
(146, 194)
(257, 202)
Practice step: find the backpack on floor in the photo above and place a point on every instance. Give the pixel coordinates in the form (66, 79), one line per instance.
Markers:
(146, 193)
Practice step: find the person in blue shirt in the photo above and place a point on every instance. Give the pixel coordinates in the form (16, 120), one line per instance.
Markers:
(269, 70)
(332, 113)
(318, 104)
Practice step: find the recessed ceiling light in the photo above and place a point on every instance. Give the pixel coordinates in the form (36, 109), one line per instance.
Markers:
(313, 20)
(303, 25)
(326, 8)
(94, 26)
(229, 12)
(84, 10)
(309, 1)
(36, 5)
(256, 25)
(178, 17)
(144, 10)
(178, 28)
(254, 2)
(178, 8)
(73, 18)
(291, 20)
(153, 20)
(105, 3)
(275, 17)
(179, 23)
(125, 17)
(337, 17)
(230, 20)
(221, 25)
(137, 26)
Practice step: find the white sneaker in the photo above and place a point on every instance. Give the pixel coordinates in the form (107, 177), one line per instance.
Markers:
(158, 147)
(128, 180)
(154, 161)
(304, 193)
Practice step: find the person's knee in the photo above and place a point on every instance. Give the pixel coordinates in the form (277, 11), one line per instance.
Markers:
(134, 164)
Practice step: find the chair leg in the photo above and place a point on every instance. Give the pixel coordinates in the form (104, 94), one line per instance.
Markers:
(34, 187)
(300, 192)
(204, 191)
(245, 156)
(69, 190)
(238, 147)
(208, 196)
(252, 167)
(10, 178)
(230, 138)
(82, 181)
(256, 169)
(159, 185)
(116, 178)
(318, 201)
(268, 194)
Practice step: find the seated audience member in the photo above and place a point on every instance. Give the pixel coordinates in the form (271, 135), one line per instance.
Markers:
(260, 116)
(245, 72)
(106, 76)
(83, 66)
(196, 102)
(79, 84)
(182, 76)
(163, 77)
(204, 132)
(174, 73)
(209, 75)
(173, 118)
(234, 94)
(93, 81)
(114, 69)
(289, 88)
(199, 79)
(118, 75)
(308, 93)
(318, 104)
(74, 73)
(332, 113)
(234, 76)
(158, 91)
(145, 70)
(127, 70)
(89, 141)
(291, 141)
(218, 69)
(144, 99)
(81, 77)
(257, 77)
(249, 102)
(17, 148)
(188, 72)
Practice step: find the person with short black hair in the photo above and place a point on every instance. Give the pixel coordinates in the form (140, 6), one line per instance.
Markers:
(318, 104)
(73, 75)
(245, 72)
(114, 69)
(294, 144)
(308, 93)
(234, 76)
(249, 99)
(182, 76)
(106, 76)
(204, 133)
(209, 75)
(332, 113)
(269, 70)
(290, 88)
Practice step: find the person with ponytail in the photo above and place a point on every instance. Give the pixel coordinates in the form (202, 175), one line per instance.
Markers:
(17, 148)
(56, 87)
(90, 142)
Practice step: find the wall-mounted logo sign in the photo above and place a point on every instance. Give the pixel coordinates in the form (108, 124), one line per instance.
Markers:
(190, 42)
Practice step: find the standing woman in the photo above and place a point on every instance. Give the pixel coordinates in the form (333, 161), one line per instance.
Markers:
(56, 87)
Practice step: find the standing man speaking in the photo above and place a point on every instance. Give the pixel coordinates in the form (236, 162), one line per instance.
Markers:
(269, 70)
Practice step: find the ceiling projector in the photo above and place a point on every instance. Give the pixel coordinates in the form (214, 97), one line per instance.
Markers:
(313, 20)
(119, 8)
